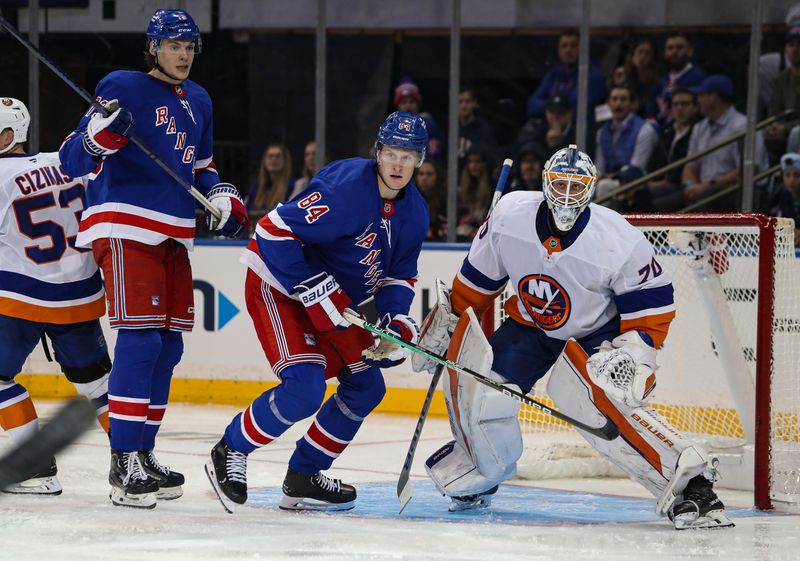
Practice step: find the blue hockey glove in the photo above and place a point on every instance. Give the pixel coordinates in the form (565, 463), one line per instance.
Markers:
(388, 353)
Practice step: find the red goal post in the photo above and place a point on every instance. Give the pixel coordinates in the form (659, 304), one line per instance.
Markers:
(730, 367)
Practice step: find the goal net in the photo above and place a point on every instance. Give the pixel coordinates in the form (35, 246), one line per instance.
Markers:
(729, 370)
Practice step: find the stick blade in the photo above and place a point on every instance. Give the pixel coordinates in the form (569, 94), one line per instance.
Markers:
(34, 454)
(405, 491)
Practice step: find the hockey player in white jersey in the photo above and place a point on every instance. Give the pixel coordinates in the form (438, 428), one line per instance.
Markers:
(48, 287)
(591, 301)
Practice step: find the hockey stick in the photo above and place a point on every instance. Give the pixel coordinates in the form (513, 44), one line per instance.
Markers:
(103, 111)
(405, 489)
(609, 431)
(33, 455)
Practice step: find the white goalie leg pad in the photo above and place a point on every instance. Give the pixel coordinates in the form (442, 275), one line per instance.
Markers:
(649, 449)
(455, 474)
(483, 420)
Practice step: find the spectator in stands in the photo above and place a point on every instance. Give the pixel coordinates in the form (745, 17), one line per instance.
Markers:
(275, 181)
(555, 131)
(407, 97)
(562, 80)
(719, 169)
(772, 64)
(309, 168)
(681, 72)
(785, 201)
(528, 170)
(474, 193)
(641, 73)
(431, 183)
(624, 144)
(786, 94)
(473, 129)
(665, 194)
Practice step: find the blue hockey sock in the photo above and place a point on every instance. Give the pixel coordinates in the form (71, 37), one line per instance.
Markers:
(298, 396)
(338, 421)
(171, 352)
(129, 386)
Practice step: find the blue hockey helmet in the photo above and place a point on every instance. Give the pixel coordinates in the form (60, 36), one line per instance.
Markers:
(569, 178)
(177, 25)
(403, 130)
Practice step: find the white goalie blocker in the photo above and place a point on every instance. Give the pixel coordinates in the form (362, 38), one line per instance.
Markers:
(488, 441)
(649, 450)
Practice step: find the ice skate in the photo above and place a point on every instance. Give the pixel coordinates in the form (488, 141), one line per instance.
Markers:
(699, 507)
(478, 501)
(169, 482)
(44, 483)
(130, 484)
(227, 472)
(304, 491)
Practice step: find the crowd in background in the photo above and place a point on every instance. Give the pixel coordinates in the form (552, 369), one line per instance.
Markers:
(655, 108)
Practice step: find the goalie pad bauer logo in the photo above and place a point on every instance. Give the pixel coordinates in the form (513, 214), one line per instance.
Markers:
(546, 302)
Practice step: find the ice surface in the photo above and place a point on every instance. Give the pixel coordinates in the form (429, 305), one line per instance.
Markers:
(601, 520)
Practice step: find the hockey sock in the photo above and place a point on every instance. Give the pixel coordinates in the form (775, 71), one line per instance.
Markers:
(171, 352)
(338, 421)
(298, 396)
(97, 393)
(17, 413)
(129, 386)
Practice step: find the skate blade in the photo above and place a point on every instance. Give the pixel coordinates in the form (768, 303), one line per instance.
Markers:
(121, 498)
(43, 486)
(227, 504)
(302, 503)
(461, 506)
(712, 520)
(169, 493)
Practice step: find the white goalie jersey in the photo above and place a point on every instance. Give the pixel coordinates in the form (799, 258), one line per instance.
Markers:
(43, 276)
(568, 286)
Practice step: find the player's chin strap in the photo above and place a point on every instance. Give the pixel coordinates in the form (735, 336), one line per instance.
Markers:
(609, 431)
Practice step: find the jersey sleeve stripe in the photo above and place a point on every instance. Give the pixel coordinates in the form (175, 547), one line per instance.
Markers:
(463, 296)
(655, 325)
(268, 230)
(405, 283)
(645, 298)
(478, 281)
(205, 164)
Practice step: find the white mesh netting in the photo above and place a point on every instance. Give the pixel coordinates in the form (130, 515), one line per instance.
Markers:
(707, 374)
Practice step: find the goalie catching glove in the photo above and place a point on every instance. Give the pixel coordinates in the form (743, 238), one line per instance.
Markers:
(233, 215)
(625, 368)
(436, 330)
(388, 353)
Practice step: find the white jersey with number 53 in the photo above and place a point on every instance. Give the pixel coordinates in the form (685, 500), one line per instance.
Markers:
(43, 276)
(568, 286)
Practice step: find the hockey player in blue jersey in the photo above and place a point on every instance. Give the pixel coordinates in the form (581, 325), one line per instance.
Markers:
(140, 225)
(355, 232)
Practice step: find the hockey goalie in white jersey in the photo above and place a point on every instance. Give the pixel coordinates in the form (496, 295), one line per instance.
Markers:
(591, 301)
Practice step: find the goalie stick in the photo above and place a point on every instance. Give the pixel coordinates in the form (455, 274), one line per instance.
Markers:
(33, 455)
(405, 489)
(103, 111)
(609, 431)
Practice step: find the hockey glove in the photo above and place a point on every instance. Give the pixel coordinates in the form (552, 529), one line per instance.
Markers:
(324, 301)
(388, 353)
(437, 328)
(625, 368)
(234, 219)
(106, 135)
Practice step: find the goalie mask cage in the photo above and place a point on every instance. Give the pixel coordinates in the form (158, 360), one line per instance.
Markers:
(729, 370)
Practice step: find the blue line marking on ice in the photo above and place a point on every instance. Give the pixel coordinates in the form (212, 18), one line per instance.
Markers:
(511, 505)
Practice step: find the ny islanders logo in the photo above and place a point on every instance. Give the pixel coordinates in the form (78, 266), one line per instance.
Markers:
(545, 301)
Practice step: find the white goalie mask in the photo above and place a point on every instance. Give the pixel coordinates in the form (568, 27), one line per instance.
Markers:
(568, 179)
(14, 115)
